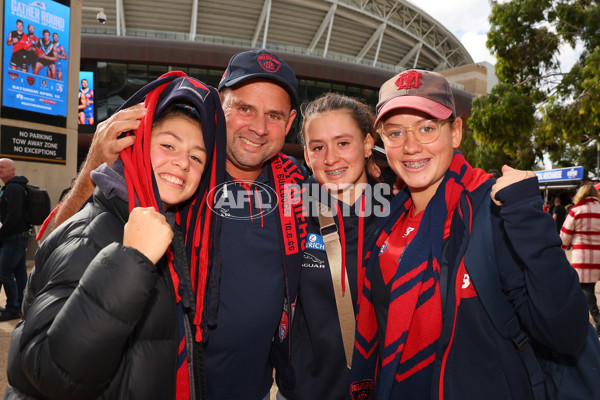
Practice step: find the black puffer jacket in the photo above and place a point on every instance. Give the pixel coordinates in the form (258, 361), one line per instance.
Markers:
(100, 320)
(12, 208)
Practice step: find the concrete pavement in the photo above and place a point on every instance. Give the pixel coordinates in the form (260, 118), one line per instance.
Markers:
(6, 329)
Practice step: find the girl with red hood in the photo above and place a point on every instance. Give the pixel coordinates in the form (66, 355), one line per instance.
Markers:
(112, 309)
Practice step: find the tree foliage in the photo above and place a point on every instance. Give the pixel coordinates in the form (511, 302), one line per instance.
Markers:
(538, 108)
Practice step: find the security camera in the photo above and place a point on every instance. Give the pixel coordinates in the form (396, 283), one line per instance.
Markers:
(101, 17)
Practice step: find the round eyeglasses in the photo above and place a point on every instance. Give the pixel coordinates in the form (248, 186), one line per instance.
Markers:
(424, 132)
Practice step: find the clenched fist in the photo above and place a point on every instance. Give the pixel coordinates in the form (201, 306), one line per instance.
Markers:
(148, 232)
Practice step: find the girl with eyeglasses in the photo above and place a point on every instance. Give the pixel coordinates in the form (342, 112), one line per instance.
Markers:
(422, 331)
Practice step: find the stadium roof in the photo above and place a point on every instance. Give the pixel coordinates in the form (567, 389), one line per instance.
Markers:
(390, 35)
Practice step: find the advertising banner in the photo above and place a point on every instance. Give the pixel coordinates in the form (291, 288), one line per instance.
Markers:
(87, 112)
(35, 64)
(561, 174)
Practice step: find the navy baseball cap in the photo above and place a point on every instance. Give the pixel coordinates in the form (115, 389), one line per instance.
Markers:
(260, 64)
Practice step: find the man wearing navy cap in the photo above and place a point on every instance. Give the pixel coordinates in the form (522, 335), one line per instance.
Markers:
(251, 289)
(258, 91)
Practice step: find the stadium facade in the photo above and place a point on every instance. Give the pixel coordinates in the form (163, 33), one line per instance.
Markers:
(347, 46)
(341, 45)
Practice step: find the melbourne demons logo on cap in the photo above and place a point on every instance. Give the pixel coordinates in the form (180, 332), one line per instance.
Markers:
(409, 80)
(268, 63)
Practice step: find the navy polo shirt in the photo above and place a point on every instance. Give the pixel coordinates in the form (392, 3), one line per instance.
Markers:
(252, 291)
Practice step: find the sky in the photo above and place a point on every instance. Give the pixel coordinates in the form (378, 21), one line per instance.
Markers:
(471, 27)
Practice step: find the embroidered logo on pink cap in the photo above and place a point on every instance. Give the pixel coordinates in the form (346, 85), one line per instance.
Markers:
(410, 79)
(417, 89)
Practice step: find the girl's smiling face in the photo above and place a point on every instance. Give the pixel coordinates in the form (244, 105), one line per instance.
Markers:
(336, 150)
(178, 158)
(422, 166)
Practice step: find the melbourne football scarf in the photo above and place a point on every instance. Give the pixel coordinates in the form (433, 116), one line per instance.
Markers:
(414, 319)
(286, 178)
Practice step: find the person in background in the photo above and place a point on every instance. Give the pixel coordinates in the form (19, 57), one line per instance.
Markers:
(110, 303)
(66, 190)
(558, 213)
(581, 234)
(336, 132)
(547, 206)
(422, 330)
(495, 173)
(14, 238)
(385, 174)
(568, 208)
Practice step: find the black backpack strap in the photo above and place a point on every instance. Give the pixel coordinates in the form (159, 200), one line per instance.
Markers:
(23, 186)
(482, 266)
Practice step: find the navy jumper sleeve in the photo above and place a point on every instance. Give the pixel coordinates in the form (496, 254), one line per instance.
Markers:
(536, 274)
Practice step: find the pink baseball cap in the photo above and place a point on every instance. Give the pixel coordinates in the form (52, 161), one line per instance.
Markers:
(417, 89)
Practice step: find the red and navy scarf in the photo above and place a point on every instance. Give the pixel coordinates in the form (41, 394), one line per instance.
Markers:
(286, 178)
(414, 319)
